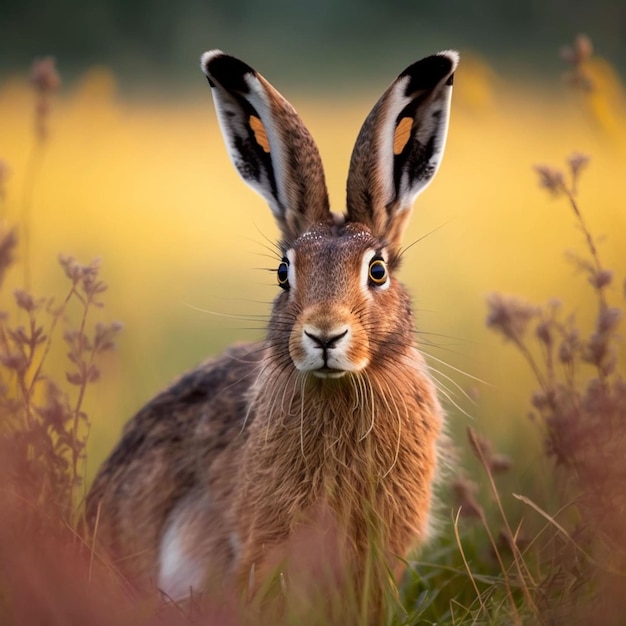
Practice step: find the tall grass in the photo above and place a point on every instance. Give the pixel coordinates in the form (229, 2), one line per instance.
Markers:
(525, 537)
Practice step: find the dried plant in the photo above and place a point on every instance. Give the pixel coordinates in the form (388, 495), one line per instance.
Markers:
(580, 401)
(43, 424)
(44, 427)
(45, 81)
(576, 56)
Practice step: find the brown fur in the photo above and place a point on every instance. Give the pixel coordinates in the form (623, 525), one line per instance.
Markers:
(254, 463)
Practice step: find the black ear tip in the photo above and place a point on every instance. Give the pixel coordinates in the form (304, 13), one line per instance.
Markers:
(225, 70)
(427, 73)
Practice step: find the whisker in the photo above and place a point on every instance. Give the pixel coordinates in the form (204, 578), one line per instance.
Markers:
(250, 317)
(302, 384)
(420, 331)
(447, 394)
(405, 249)
(459, 371)
(247, 301)
(452, 381)
(273, 245)
(272, 254)
(371, 394)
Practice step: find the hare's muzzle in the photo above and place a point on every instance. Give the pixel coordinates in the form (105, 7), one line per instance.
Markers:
(325, 343)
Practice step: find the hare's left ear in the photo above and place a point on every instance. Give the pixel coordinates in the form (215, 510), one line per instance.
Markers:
(400, 147)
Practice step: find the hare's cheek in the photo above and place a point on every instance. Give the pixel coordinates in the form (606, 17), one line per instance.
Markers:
(358, 352)
(297, 351)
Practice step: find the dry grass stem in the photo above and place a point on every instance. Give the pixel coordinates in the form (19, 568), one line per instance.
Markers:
(459, 543)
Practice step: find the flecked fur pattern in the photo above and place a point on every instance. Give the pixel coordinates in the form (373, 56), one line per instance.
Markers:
(313, 454)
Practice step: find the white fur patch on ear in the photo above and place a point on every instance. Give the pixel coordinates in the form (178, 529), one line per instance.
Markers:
(180, 572)
(205, 58)
(397, 100)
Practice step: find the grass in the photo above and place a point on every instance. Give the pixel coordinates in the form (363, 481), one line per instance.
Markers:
(531, 536)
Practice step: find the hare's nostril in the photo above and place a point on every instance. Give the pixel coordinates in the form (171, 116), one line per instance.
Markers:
(319, 343)
(331, 342)
(325, 341)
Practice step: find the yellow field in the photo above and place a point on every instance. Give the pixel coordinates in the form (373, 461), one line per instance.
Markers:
(148, 187)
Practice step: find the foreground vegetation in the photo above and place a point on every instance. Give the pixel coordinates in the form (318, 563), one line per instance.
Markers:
(533, 536)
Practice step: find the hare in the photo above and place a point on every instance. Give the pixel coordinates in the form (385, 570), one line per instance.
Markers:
(314, 452)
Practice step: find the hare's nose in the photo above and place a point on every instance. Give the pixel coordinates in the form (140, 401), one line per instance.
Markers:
(325, 340)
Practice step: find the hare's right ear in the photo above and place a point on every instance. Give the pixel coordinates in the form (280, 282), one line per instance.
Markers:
(268, 143)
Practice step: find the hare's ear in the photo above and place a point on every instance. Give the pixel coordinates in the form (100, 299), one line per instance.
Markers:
(400, 147)
(268, 143)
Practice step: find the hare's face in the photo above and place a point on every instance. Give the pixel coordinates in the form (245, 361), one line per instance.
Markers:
(341, 310)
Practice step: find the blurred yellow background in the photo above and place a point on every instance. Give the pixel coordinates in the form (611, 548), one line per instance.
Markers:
(147, 186)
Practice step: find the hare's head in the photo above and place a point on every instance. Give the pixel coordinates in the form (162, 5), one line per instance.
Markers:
(341, 309)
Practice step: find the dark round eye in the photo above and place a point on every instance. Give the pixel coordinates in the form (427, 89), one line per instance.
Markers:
(283, 274)
(377, 272)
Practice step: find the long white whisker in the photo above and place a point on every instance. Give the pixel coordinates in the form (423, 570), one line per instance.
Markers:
(250, 404)
(458, 370)
(453, 382)
(273, 401)
(249, 317)
(445, 392)
(372, 406)
(302, 389)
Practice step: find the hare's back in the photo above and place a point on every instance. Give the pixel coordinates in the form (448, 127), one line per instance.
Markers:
(186, 439)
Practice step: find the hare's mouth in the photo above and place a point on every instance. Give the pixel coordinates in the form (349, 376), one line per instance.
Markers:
(328, 372)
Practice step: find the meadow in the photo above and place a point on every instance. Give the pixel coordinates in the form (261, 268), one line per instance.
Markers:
(146, 186)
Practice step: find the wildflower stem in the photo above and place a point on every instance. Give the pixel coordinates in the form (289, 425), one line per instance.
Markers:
(46, 350)
(531, 361)
(571, 196)
(85, 367)
(26, 396)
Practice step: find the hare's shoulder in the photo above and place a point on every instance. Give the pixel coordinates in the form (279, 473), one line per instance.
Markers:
(185, 426)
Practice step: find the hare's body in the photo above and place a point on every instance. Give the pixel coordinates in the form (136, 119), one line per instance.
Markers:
(314, 453)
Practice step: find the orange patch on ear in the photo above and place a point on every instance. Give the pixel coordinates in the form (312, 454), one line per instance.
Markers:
(402, 134)
(259, 132)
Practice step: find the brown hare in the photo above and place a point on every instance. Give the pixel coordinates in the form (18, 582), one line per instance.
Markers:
(312, 453)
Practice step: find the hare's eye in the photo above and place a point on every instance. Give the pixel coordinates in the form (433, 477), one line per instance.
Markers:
(377, 272)
(283, 274)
